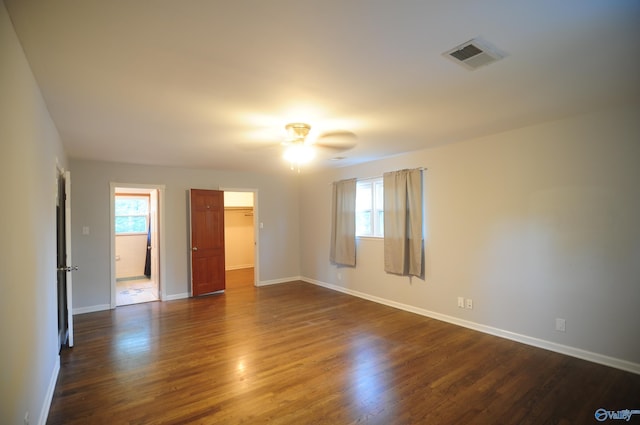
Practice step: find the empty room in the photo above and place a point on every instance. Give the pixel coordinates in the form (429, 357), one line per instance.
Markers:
(320, 212)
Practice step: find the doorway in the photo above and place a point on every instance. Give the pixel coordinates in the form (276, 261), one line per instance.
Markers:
(136, 249)
(240, 237)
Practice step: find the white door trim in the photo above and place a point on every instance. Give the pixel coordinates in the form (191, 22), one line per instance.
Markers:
(162, 284)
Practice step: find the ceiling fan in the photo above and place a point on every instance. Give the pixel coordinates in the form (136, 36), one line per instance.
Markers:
(301, 149)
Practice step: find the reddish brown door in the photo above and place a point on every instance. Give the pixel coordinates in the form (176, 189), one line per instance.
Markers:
(207, 241)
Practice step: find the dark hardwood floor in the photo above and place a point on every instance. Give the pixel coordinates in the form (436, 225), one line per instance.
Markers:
(295, 353)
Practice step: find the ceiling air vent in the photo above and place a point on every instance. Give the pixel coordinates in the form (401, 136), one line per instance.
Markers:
(474, 53)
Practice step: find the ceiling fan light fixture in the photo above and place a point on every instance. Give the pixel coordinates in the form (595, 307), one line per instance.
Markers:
(297, 131)
(299, 154)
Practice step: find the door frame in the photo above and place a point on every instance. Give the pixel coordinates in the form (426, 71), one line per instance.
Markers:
(256, 230)
(160, 235)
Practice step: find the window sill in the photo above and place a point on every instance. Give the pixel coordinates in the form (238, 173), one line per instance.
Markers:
(370, 238)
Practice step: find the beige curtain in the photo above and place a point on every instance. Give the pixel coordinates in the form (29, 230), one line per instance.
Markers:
(403, 247)
(343, 223)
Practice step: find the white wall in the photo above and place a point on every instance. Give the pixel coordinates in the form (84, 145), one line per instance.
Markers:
(29, 146)
(277, 207)
(532, 224)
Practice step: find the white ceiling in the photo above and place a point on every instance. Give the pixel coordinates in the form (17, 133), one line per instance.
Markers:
(204, 83)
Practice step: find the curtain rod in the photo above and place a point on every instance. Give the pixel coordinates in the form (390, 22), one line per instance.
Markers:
(377, 177)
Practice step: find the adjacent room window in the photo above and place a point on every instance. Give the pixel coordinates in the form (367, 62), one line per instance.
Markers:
(370, 208)
(132, 214)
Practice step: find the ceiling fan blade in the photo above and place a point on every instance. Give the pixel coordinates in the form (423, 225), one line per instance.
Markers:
(255, 146)
(340, 140)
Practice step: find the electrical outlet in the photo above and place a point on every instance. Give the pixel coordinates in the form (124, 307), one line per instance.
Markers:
(339, 276)
(560, 325)
(469, 303)
(460, 302)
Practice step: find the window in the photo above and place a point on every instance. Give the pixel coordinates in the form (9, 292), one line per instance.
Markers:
(370, 208)
(132, 214)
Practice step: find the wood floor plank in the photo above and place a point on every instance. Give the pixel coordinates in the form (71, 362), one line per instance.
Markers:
(296, 353)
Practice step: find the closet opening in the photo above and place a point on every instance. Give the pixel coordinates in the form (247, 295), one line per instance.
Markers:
(240, 238)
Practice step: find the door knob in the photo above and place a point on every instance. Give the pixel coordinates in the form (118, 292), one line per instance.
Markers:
(67, 269)
(195, 248)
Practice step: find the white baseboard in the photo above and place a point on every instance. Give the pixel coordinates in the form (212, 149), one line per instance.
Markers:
(276, 281)
(46, 404)
(536, 342)
(91, 309)
(176, 296)
(241, 266)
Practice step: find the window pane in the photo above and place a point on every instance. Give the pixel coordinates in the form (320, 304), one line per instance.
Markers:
(363, 223)
(363, 196)
(380, 223)
(369, 208)
(131, 224)
(379, 197)
(128, 205)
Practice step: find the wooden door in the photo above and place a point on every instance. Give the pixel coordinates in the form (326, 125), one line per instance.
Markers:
(61, 256)
(207, 241)
(63, 261)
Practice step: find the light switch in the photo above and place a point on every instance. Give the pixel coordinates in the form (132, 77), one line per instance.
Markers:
(85, 230)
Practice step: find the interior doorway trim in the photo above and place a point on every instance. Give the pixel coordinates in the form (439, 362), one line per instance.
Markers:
(256, 230)
(161, 231)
